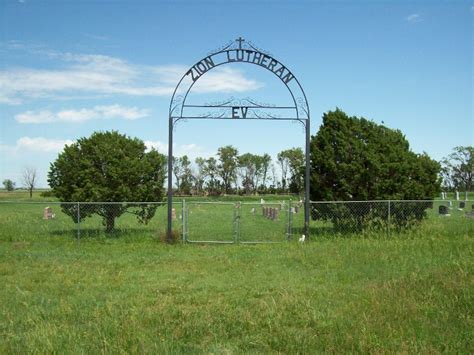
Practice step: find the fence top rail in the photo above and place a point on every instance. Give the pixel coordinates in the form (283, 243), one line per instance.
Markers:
(385, 201)
(213, 202)
(87, 203)
(210, 203)
(268, 203)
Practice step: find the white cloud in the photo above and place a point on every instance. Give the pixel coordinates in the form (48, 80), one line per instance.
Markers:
(191, 150)
(92, 74)
(159, 146)
(9, 100)
(221, 79)
(47, 145)
(97, 112)
(226, 79)
(40, 144)
(413, 18)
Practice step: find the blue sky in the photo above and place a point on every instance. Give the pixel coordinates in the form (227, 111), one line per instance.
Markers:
(70, 68)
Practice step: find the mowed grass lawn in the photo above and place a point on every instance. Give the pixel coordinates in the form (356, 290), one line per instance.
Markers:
(409, 293)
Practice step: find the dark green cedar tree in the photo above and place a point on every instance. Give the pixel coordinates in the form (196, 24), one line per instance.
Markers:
(108, 167)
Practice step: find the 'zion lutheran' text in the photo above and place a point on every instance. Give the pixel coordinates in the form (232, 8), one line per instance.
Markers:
(243, 55)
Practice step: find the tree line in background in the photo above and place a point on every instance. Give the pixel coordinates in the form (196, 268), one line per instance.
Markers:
(231, 173)
(355, 164)
(29, 181)
(457, 169)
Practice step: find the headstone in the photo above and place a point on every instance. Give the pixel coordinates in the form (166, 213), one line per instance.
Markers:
(262, 201)
(272, 213)
(465, 196)
(457, 195)
(252, 211)
(48, 213)
(297, 209)
(450, 203)
(173, 213)
(443, 210)
(462, 204)
(442, 195)
(293, 210)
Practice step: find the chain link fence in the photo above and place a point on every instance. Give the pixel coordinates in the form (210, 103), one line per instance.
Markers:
(231, 222)
(387, 218)
(24, 220)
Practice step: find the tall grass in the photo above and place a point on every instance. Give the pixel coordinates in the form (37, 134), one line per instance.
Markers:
(408, 293)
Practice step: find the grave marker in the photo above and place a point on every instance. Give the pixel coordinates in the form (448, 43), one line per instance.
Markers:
(48, 213)
(443, 211)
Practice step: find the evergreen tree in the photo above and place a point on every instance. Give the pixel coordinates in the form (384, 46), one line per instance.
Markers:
(108, 167)
(354, 159)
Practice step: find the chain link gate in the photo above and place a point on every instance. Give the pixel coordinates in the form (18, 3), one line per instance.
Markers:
(237, 222)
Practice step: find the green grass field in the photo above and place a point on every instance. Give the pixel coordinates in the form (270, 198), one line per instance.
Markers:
(410, 292)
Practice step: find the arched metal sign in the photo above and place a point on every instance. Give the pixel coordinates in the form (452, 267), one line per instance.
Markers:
(238, 51)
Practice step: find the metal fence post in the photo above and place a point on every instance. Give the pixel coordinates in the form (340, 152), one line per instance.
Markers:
(288, 236)
(239, 213)
(234, 223)
(183, 219)
(78, 221)
(388, 220)
(238, 220)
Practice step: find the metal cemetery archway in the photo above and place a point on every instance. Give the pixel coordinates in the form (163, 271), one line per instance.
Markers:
(238, 51)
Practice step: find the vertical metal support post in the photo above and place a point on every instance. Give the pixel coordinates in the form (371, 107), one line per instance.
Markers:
(239, 211)
(78, 221)
(187, 223)
(234, 224)
(170, 178)
(307, 182)
(388, 220)
(183, 219)
(288, 232)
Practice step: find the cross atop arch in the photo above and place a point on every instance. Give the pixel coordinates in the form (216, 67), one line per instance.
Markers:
(240, 40)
